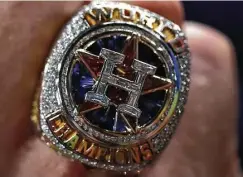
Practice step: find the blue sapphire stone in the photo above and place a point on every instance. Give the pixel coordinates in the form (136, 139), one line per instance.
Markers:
(115, 43)
(82, 82)
(150, 105)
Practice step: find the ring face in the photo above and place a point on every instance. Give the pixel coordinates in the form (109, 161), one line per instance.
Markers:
(114, 86)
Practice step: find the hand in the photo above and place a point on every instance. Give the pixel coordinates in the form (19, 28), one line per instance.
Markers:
(205, 143)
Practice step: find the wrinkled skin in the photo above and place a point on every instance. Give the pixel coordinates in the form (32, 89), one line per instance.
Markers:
(205, 143)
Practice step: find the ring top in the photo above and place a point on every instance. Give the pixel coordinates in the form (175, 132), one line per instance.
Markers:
(114, 86)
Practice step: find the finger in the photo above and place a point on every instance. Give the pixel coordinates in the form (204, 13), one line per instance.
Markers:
(172, 10)
(205, 141)
(26, 31)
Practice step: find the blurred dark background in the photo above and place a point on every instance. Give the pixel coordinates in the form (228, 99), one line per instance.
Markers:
(228, 18)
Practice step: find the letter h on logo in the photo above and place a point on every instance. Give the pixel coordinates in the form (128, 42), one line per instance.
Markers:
(134, 88)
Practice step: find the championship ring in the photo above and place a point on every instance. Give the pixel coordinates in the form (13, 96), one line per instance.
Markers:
(114, 87)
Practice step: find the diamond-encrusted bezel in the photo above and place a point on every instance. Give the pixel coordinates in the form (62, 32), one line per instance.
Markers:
(51, 101)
